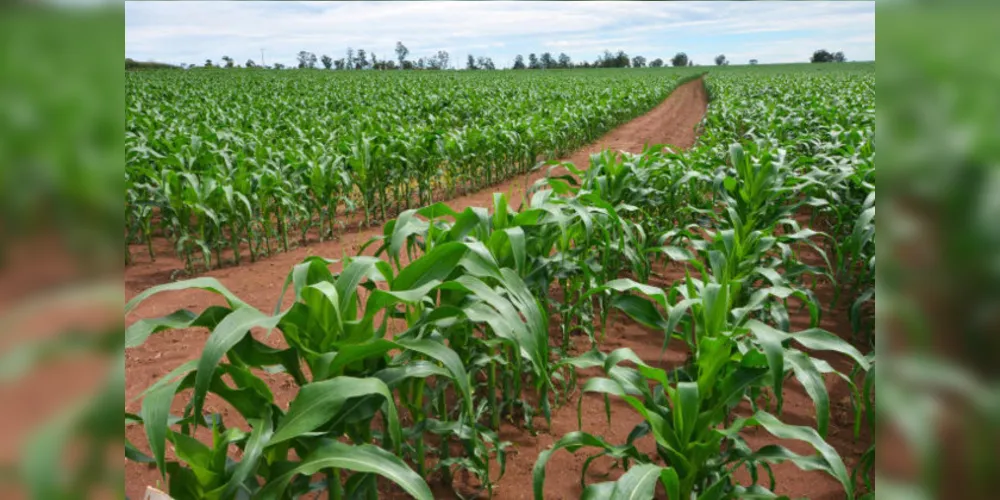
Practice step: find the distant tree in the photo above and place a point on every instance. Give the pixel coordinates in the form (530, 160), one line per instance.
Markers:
(605, 60)
(821, 56)
(471, 62)
(327, 61)
(485, 63)
(409, 65)
(839, 57)
(349, 60)
(546, 61)
(720, 60)
(306, 59)
(565, 61)
(440, 60)
(518, 62)
(533, 61)
(638, 62)
(609, 60)
(279, 66)
(691, 63)
(680, 59)
(753, 62)
(361, 60)
(339, 63)
(208, 63)
(228, 60)
(622, 60)
(401, 53)
(250, 63)
(656, 63)
(390, 64)
(422, 63)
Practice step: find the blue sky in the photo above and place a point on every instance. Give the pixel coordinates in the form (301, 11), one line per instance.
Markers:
(772, 32)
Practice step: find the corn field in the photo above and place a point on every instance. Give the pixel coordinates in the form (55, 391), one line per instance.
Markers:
(408, 362)
(252, 162)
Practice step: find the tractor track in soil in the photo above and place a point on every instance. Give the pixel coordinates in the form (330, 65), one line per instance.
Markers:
(673, 122)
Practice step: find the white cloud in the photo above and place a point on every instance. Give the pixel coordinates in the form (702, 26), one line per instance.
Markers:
(194, 31)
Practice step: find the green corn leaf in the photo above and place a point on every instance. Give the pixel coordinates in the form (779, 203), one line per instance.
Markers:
(672, 483)
(599, 385)
(827, 460)
(414, 369)
(154, 412)
(359, 458)
(815, 386)
(352, 353)
(434, 266)
(208, 284)
(687, 406)
(260, 436)
(639, 483)
(822, 340)
(640, 310)
(312, 270)
(229, 332)
(771, 340)
(449, 359)
(598, 491)
(318, 402)
(138, 332)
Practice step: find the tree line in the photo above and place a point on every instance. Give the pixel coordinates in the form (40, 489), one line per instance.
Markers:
(608, 59)
(824, 56)
(361, 59)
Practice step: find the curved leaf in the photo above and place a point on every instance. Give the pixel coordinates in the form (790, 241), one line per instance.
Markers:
(829, 460)
(358, 458)
(229, 332)
(318, 402)
(204, 283)
(639, 483)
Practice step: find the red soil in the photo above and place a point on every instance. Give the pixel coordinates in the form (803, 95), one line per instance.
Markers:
(673, 122)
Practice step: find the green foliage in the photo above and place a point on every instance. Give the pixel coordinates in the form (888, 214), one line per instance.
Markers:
(247, 161)
(444, 333)
(773, 149)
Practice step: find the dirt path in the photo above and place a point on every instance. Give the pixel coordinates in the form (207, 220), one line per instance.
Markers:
(672, 122)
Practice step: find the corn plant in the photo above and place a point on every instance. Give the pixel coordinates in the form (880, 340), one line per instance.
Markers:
(522, 243)
(335, 336)
(689, 416)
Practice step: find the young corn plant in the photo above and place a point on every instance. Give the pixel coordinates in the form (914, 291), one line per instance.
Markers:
(690, 412)
(689, 415)
(515, 344)
(339, 356)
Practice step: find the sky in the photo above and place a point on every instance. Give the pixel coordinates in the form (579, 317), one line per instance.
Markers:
(771, 32)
